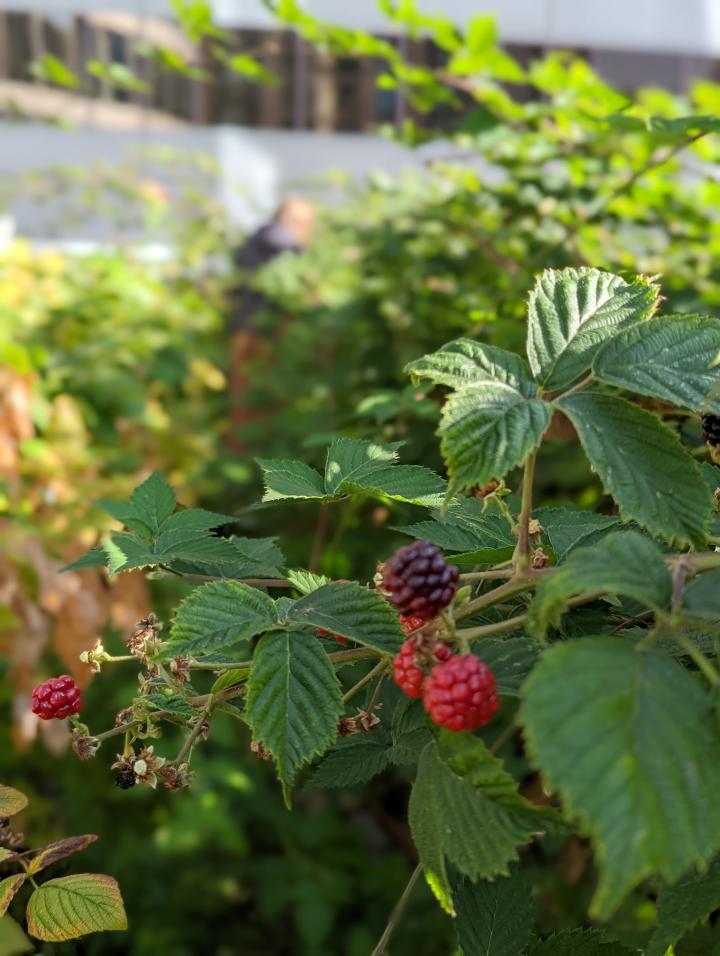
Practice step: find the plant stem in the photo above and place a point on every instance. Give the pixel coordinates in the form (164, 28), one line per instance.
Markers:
(521, 558)
(195, 732)
(506, 735)
(364, 680)
(511, 624)
(492, 597)
(251, 582)
(576, 388)
(397, 913)
(698, 657)
(487, 575)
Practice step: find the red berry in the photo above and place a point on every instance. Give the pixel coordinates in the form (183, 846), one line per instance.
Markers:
(411, 623)
(418, 580)
(460, 693)
(323, 633)
(407, 674)
(56, 698)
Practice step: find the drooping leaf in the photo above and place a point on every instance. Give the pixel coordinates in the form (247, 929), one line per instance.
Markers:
(580, 942)
(673, 357)
(680, 906)
(624, 562)
(73, 906)
(8, 888)
(468, 362)
(286, 478)
(351, 611)
(353, 760)
(605, 723)
(217, 615)
(567, 529)
(11, 801)
(486, 430)
(495, 917)
(53, 852)
(571, 312)
(294, 700)
(642, 464)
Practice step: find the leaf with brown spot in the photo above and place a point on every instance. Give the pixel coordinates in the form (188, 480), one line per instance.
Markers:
(8, 889)
(47, 855)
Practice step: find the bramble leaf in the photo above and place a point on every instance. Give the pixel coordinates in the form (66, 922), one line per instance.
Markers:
(73, 906)
(217, 615)
(153, 501)
(353, 760)
(580, 942)
(567, 530)
(466, 362)
(605, 723)
(495, 917)
(682, 905)
(286, 478)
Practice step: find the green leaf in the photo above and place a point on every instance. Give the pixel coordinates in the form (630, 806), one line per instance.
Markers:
(73, 906)
(353, 760)
(11, 801)
(217, 615)
(294, 701)
(480, 537)
(488, 429)
(624, 562)
(464, 807)
(410, 732)
(673, 358)
(47, 855)
(126, 552)
(196, 519)
(567, 530)
(351, 611)
(467, 362)
(605, 724)
(290, 479)
(681, 906)
(153, 501)
(571, 312)
(510, 660)
(642, 464)
(8, 888)
(495, 918)
(94, 558)
(305, 581)
(13, 941)
(701, 596)
(580, 942)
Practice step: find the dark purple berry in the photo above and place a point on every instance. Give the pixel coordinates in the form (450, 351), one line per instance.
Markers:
(419, 581)
(711, 429)
(125, 779)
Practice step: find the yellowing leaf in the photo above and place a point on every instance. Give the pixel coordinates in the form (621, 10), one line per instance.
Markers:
(73, 906)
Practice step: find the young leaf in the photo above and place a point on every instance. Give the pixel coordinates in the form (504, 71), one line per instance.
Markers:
(153, 501)
(673, 357)
(217, 615)
(73, 906)
(567, 529)
(351, 611)
(53, 852)
(467, 362)
(599, 725)
(353, 760)
(290, 479)
(8, 888)
(681, 906)
(488, 429)
(624, 562)
(294, 701)
(495, 918)
(642, 464)
(571, 312)
(464, 807)
(580, 942)
(11, 801)
(305, 581)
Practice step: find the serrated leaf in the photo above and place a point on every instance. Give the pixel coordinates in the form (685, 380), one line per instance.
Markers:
(286, 478)
(468, 362)
(8, 888)
(464, 807)
(52, 852)
(567, 530)
(217, 615)
(11, 801)
(488, 429)
(605, 724)
(126, 514)
(196, 519)
(229, 679)
(258, 557)
(354, 461)
(479, 537)
(175, 706)
(351, 611)
(510, 660)
(624, 563)
(305, 581)
(94, 558)
(642, 464)
(673, 358)
(293, 702)
(74, 906)
(689, 901)
(495, 918)
(580, 942)
(410, 732)
(701, 596)
(153, 501)
(571, 312)
(127, 552)
(352, 761)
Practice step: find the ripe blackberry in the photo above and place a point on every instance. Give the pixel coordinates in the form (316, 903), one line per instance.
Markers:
(408, 673)
(711, 429)
(56, 698)
(460, 693)
(419, 581)
(125, 779)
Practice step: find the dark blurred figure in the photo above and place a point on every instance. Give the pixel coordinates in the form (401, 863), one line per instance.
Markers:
(290, 230)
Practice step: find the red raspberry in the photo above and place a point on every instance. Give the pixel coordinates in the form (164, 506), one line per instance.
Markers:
(407, 674)
(460, 693)
(322, 633)
(56, 698)
(411, 623)
(418, 580)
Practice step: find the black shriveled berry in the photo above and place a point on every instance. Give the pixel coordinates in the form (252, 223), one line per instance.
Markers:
(125, 779)
(711, 429)
(419, 581)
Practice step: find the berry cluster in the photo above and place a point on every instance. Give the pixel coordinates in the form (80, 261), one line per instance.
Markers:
(407, 670)
(711, 429)
(419, 581)
(56, 698)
